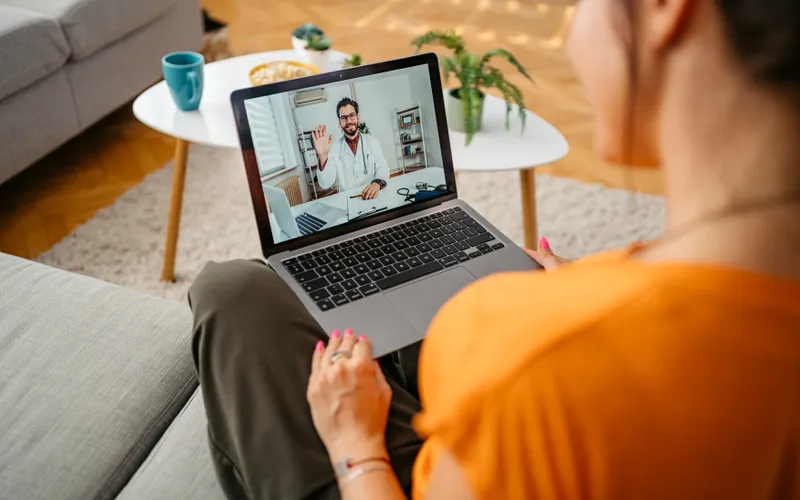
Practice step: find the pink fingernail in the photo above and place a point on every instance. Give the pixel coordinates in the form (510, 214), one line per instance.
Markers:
(363, 337)
(320, 346)
(335, 334)
(348, 333)
(543, 243)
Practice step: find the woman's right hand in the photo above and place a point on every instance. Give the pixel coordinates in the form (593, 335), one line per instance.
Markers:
(545, 256)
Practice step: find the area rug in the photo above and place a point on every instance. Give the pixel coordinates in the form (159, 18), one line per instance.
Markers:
(124, 243)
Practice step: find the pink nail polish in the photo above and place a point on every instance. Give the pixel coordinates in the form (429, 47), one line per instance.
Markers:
(320, 346)
(363, 337)
(335, 334)
(348, 333)
(543, 243)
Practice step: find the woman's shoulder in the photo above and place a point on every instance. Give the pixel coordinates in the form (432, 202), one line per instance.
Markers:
(497, 324)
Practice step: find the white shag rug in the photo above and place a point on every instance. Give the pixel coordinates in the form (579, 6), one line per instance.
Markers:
(124, 243)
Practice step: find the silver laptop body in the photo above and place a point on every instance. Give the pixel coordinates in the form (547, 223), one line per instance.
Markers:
(384, 275)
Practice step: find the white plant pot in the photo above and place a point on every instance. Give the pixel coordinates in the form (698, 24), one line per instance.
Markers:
(318, 59)
(299, 46)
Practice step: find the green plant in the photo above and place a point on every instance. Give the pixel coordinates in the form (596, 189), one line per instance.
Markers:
(353, 61)
(307, 31)
(475, 73)
(318, 42)
(362, 128)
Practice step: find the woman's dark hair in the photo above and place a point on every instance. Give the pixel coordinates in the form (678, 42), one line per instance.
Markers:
(346, 102)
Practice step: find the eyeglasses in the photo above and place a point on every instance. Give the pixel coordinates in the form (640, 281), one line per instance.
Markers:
(350, 117)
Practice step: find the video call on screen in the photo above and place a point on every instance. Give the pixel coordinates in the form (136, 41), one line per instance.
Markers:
(346, 151)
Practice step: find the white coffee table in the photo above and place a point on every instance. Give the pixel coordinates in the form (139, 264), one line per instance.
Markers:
(495, 149)
(492, 149)
(212, 124)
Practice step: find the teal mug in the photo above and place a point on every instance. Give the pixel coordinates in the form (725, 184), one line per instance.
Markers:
(183, 72)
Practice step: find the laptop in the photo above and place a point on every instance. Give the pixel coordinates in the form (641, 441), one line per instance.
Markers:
(310, 220)
(384, 270)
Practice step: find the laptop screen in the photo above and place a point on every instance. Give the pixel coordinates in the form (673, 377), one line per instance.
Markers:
(347, 150)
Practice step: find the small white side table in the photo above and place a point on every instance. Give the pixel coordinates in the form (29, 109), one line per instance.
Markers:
(495, 149)
(212, 124)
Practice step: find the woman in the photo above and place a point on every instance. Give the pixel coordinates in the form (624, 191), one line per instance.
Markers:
(664, 371)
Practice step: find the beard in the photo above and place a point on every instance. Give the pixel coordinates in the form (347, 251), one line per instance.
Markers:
(351, 130)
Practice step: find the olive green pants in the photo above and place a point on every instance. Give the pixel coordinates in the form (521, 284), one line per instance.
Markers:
(253, 342)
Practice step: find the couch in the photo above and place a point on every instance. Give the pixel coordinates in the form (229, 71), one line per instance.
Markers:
(64, 64)
(98, 392)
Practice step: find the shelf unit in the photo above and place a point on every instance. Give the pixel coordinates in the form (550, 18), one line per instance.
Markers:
(411, 138)
(310, 160)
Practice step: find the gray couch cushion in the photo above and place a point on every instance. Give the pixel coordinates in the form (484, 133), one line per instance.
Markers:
(92, 24)
(91, 375)
(179, 468)
(31, 47)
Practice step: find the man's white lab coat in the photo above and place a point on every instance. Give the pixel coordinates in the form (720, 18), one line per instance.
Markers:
(348, 170)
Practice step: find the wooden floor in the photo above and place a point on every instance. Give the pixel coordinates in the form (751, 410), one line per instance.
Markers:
(50, 199)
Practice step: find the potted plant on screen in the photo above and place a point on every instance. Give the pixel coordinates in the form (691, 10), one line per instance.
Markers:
(312, 45)
(464, 104)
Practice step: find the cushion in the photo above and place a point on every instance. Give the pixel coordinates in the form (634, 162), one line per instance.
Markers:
(91, 376)
(179, 468)
(90, 25)
(32, 46)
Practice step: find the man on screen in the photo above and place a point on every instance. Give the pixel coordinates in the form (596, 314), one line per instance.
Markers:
(353, 160)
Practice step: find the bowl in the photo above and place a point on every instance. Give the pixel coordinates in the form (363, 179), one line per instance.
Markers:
(278, 71)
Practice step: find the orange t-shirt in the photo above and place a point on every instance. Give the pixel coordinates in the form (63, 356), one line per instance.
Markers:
(613, 379)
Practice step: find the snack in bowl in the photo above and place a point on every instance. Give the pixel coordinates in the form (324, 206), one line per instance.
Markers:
(277, 71)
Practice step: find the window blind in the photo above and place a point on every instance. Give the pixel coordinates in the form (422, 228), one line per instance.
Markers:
(266, 137)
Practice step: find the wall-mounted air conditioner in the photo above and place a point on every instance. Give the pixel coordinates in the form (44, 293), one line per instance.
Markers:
(306, 97)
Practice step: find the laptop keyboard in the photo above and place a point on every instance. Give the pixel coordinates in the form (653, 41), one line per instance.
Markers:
(339, 274)
(308, 224)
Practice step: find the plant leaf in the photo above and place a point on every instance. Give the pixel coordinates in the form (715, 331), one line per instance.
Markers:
(510, 57)
(448, 66)
(447, 38)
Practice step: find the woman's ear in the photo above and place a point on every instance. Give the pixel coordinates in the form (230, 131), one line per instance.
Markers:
(665, 21)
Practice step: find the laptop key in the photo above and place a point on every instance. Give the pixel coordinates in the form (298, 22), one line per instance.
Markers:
(316, 284)
(350, 262)
(336, 255)
(436, 244)
(349, 284)
(348, 273)
(475, 254)
(335, 289)
(412, 252)
(413, 241)
(374, 264)
(424, 247)
(461, 256)
(319, 294)
(323, 260)
(309, 264)
(459, 225)
(353, 295)
(402, 266)
(362, 280)
(398, 236)
(295, 268)
(450, 250)
(449, 211)
(317, 253)
(458, 236)
(387, 249)
(323, 270)
(362, 247)
(447, 240)
(306, 276)
(360, 269)
(334, 247)
(470, 232)
(446, 220)
(438, 254)
(372, 236)
(373, 243)
(411, 232)
(399, 256)
(334, 277)
(496, 246)
(485, 249)
(349, 252)
(425, 237)
(340, 299)
(337, 266)
(426, 257)
(386, 239)
(414, 262)
(376, 253)
(459, 216)
(461, 245)
(422, 227)
(370, 289)
(401, 245)
(436, 233)
(360, 239)
(480, 239)
(289, 262)
(305, 256)
(386, 260)
(412, 274)
(448, 230)
(389, 270)
(457, 209)
(449, 261)
(363, 257)
(375, 275)
(325, 305)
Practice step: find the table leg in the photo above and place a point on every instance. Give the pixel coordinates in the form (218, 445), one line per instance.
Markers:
(528, 182)
(176, 202)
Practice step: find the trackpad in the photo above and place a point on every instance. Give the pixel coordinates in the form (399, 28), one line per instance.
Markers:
(420, 301)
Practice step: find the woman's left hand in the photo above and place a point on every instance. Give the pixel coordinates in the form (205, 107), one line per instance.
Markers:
(349, 398)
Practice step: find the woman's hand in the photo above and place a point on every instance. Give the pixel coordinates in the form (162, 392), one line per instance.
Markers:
(545, 256)
(349, 398)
